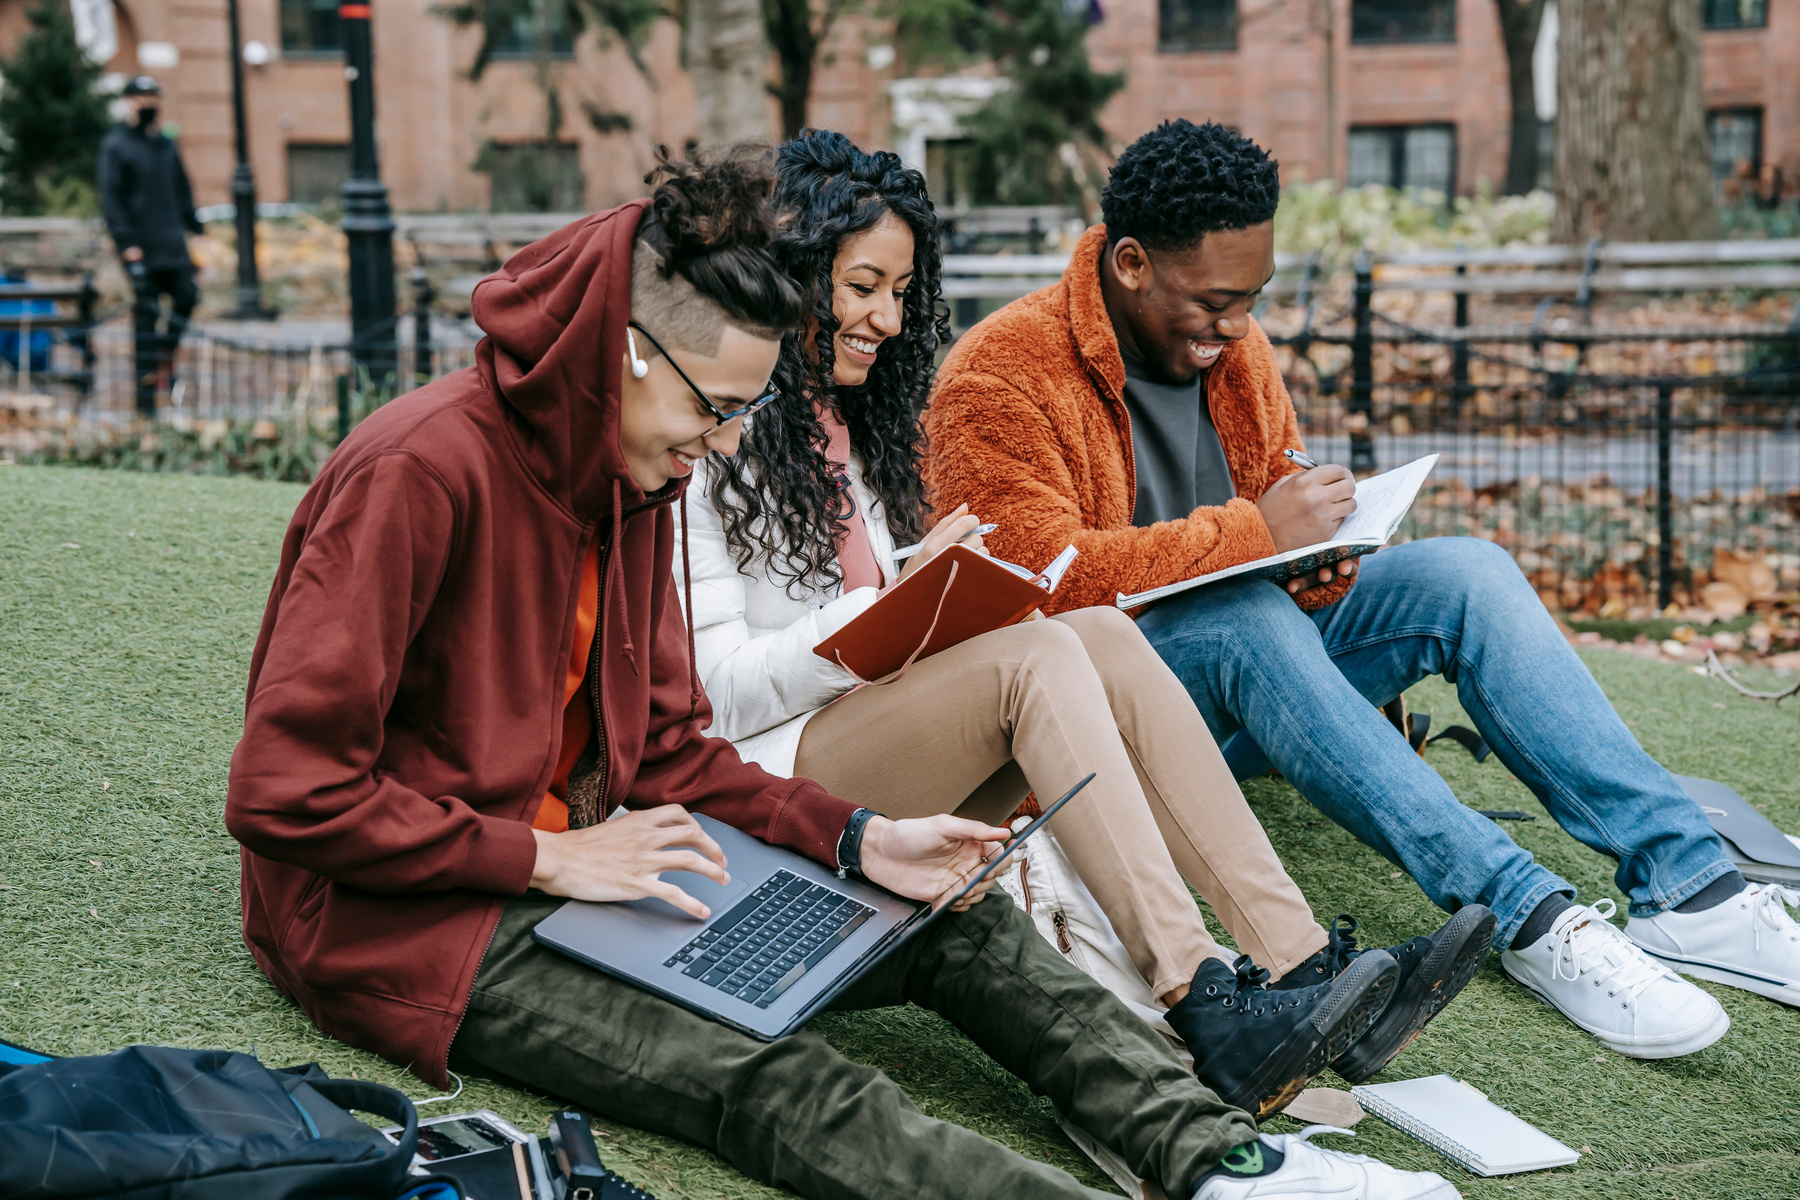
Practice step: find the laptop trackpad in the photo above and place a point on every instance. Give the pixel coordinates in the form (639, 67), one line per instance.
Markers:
(715, 897)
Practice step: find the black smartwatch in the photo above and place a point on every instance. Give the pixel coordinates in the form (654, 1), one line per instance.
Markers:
(849, 847)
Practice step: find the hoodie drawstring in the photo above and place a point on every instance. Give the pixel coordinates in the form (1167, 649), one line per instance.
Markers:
(687, 586)
(618, 529)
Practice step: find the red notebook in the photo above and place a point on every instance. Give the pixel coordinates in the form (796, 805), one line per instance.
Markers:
(958, 595)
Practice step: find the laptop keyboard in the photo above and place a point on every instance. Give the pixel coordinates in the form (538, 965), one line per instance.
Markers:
(771, 938)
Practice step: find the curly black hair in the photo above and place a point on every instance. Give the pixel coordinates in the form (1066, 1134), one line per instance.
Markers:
(1182, 181)
(778, 498)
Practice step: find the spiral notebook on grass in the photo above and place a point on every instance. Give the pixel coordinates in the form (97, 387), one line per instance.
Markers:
(1461, 1123)
(1382, 501)
(958, 595)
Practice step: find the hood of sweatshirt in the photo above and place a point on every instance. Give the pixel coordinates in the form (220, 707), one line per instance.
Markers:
(555, 318)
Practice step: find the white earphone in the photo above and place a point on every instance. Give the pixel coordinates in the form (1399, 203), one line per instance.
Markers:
(639, 368)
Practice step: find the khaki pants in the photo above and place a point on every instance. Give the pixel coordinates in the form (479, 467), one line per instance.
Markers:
(1035, 707)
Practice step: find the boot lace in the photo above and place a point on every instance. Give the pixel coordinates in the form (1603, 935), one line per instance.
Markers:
(1769, 910)
(1249, 993)
(1588, 941)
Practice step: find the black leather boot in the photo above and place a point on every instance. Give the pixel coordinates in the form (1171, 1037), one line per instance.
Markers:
(1432, 971)
(1257, 1047)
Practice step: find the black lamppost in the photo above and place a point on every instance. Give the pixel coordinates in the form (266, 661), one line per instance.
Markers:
(368, 222)
(243, 192)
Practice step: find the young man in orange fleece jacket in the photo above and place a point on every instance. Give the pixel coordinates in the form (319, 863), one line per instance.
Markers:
(1135, 409)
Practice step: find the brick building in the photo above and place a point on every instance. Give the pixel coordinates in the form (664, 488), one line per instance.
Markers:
(1402, 91)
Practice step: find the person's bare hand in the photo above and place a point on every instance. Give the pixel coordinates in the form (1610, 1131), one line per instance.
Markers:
(925, 857)
(1345, 570)
(1306, 509)
(956, 526)
(621, 859)
(133, 254)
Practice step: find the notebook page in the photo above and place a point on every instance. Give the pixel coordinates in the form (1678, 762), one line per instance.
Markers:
(1382, 500)
(1457, 1120)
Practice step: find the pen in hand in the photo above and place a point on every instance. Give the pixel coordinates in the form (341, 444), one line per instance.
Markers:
(1296, 457)
(906, 552)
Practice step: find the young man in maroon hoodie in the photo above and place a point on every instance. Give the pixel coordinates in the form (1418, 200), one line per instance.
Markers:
(474, 653)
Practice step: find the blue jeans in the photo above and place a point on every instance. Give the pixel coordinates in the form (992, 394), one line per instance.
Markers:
(1299, 691)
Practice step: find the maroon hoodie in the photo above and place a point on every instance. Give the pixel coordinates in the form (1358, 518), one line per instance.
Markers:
(406, 692)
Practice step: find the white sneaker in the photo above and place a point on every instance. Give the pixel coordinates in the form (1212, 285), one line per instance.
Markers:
(1588, 970)
(1312, 1172)
(1749, 941)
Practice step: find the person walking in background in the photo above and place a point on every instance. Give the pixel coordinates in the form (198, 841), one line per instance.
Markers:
(149, 210)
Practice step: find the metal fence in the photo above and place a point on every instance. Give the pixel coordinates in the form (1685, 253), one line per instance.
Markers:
(1606, 485)
(1606, 481)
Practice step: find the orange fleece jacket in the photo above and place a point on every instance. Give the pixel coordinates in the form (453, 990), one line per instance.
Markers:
(1028, 427)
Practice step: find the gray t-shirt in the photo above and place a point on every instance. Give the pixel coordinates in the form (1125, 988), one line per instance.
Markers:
(1180, 461)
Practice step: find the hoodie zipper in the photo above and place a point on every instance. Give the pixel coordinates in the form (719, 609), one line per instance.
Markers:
(605, 763)
(605, 754)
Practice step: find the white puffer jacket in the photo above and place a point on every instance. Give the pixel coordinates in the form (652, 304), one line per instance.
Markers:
(753, 639)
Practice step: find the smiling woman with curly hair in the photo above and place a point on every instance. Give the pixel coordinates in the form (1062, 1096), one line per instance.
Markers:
(795, 536)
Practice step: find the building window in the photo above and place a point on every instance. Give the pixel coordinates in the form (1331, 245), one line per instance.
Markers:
(1734, 14)
(316, 172)
(310, 27)
(533, 176)
(520, 39)
(1404, 156)
(1378, 21)
(1736, 135)
(1188, 26)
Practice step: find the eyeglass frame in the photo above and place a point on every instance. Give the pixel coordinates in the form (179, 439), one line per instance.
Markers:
(718, 414)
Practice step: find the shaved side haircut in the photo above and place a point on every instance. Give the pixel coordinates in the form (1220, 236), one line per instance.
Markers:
(702, 259)
(676, 312)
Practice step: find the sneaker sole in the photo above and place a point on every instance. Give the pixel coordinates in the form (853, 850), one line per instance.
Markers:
(1774, 989)
(1457, 952)
(1699, 1039)
(1356, 1001)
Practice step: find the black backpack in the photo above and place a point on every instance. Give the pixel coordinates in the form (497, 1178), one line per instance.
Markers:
(153, 1123)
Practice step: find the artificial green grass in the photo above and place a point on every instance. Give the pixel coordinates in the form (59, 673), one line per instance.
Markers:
(128, 606)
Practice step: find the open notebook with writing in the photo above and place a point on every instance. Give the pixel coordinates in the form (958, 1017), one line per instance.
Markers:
(958, 595)
(1461, 1123)
(1381, 502)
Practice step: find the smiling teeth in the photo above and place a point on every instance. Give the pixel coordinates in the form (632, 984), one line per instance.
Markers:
(1205, 351)
(861, 346)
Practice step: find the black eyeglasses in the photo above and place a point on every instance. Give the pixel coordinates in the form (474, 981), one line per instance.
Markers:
(722, 416)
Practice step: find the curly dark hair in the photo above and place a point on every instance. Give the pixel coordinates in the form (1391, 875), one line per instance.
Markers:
(1182, 181)
(714, 224)
(778, 497)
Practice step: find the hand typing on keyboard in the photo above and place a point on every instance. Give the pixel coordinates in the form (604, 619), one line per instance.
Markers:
(621, 859)
(924, 857)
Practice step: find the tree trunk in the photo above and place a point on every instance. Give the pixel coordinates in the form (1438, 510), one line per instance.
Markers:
(1520, 21)
(728, 54)
(796, 41)
(1632, 162)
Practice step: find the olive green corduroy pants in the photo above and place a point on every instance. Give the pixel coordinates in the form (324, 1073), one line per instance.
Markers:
(797, 1114)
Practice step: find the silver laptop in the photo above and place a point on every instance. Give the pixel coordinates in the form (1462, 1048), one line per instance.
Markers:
(785, 938)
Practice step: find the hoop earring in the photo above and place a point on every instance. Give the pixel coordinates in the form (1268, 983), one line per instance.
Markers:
(639, 368)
